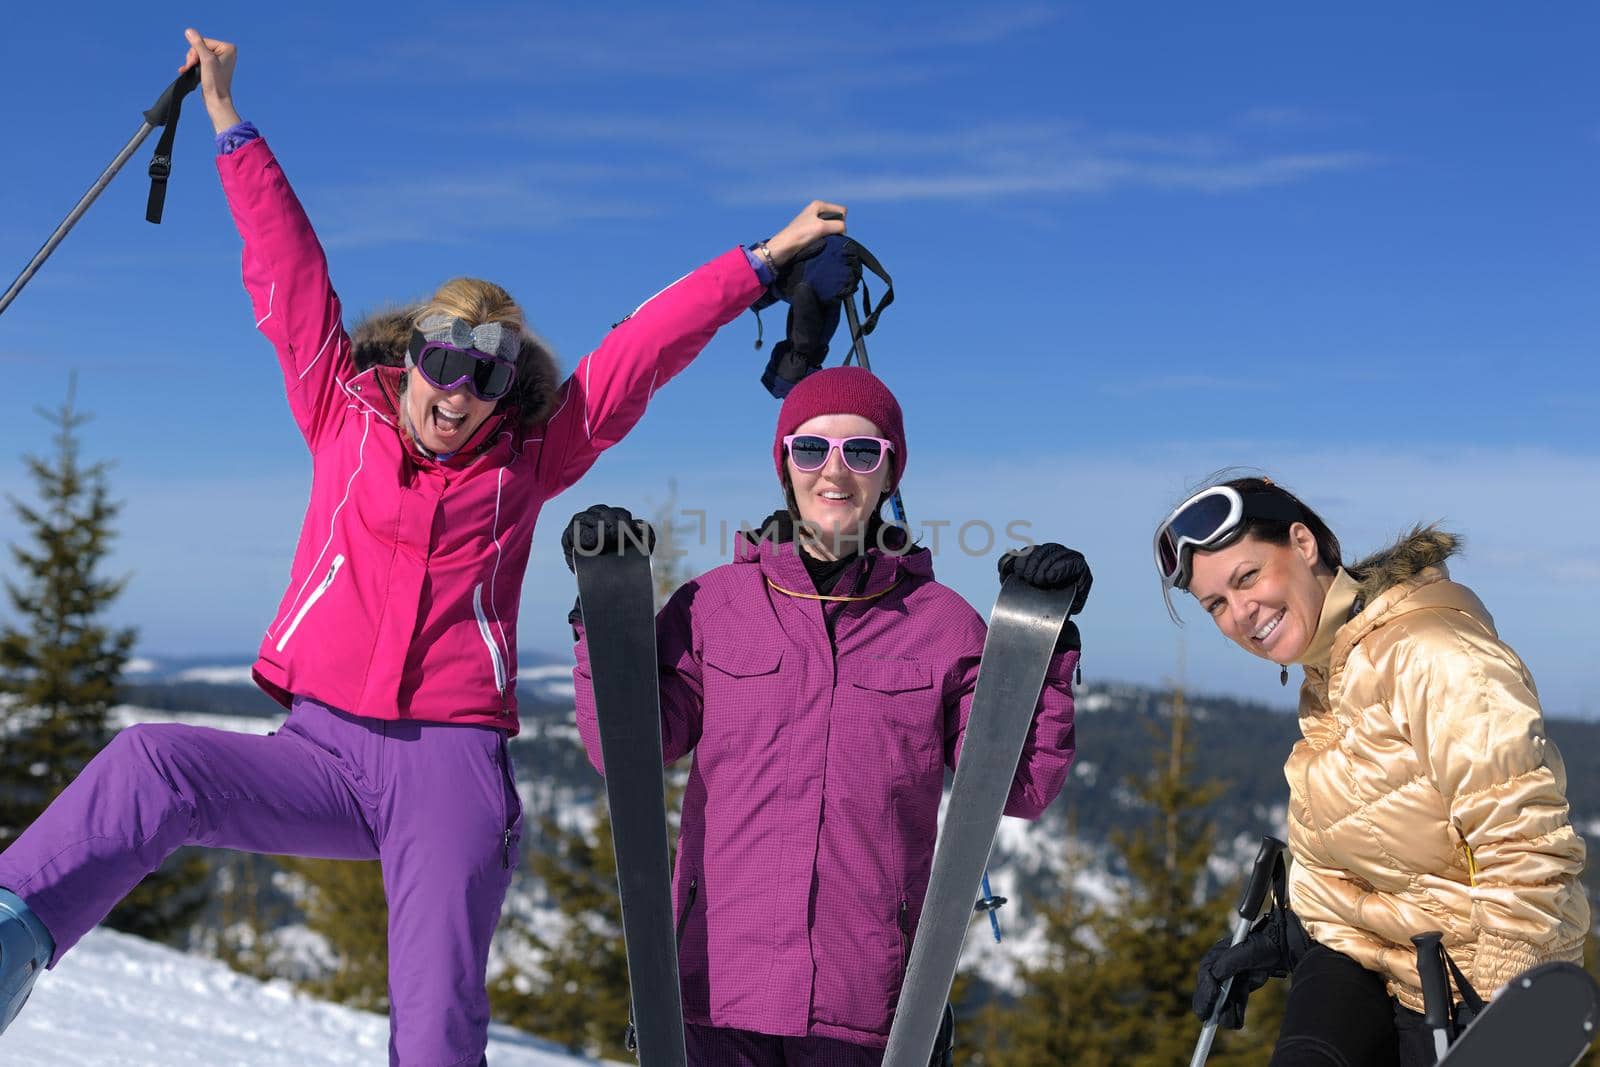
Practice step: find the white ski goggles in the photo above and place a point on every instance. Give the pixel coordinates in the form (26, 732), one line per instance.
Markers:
(1212, 518)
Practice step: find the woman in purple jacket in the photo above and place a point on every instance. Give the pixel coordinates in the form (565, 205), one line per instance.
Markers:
(823, 680)
(436, 436)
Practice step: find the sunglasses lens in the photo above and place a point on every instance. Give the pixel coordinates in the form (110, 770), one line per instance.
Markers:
(1169, 555)
(441, 366)
(808, 453)
(862, 454)
(493, 379)
(1201, 520)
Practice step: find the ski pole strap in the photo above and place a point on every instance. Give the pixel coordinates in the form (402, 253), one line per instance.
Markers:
(164, 112)
(870, 262)
(1469, 996)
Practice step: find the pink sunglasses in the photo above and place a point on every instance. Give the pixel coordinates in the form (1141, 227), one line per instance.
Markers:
(809, 451)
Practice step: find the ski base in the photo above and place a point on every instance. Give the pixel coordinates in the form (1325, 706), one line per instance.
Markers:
(617, 598)
(1023, 629)
(1545, 1017)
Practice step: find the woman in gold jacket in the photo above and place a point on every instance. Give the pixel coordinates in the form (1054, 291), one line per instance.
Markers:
(1424, 794)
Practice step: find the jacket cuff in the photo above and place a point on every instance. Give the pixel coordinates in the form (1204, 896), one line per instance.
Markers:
(1497, 959)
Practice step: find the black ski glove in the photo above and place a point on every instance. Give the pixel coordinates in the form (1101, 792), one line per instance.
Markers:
(813, 284)
(599, 529)
(1050, 566)
(1273, 948)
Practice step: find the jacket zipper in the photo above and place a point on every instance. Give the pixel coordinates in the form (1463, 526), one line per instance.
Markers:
(510, 791)
(316, 595)
(688, 906)
(488, 640)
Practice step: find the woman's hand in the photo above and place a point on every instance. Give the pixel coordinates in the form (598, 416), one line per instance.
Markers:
(216, 60)
(599, 529)
(1050, 566)
(807, 228)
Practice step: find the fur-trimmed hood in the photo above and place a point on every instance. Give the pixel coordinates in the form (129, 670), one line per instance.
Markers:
(380, 339)
(1423, 547)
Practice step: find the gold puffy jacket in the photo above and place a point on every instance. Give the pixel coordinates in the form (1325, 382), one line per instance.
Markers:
(1425, 795)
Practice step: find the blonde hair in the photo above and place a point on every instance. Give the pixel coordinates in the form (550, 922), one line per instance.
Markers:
(475, 300)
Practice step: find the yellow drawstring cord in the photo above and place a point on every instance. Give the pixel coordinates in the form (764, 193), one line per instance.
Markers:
(838, 599)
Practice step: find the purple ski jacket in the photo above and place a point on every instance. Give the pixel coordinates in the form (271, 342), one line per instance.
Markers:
(403, 593)
(812, 805)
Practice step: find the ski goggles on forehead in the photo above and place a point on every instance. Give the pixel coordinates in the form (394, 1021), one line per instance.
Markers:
(809, 451)
(1210, 519)
(446, 366)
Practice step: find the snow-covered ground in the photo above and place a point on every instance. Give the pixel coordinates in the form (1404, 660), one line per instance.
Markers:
(118, 1001)
(125, 715)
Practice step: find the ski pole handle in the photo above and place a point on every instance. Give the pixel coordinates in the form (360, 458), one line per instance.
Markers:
(182, 86)
(1435, 988)
(1250, 901)
(1255, 890)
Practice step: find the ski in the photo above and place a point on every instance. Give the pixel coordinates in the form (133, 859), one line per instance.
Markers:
(616, 596)
(1544, 1017)
(1023, 629)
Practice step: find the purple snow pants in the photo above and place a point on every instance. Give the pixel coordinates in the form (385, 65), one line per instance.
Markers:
(436, 803)
(715, 1046)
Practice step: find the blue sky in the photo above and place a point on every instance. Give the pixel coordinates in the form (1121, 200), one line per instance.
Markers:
(1132, 245)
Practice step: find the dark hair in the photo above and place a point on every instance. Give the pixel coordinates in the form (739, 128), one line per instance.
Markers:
(1276, 531)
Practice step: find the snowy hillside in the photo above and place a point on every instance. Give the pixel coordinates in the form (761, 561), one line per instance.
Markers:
(117, 1001)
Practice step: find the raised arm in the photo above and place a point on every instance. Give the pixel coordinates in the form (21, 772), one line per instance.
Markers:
(610, 388)
(285, 269)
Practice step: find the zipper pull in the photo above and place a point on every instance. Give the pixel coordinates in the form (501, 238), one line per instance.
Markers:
(1077, 673)
(505, 855)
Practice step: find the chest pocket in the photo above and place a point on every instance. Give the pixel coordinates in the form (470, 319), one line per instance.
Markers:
(745, 698)
(745, 661)
(894, 707)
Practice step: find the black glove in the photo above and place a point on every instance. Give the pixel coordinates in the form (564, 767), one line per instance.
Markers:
(814, 285)
(1273, 948)
(1050, 566)
(600, 529)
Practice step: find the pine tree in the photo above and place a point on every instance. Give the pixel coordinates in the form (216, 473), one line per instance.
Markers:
(344, 903)
(578, 996)
(61, 663)
(1116, 985)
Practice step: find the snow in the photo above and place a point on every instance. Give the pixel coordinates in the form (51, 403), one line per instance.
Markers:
(552, 681)
(125, 715)
(216, 675)
(118, 1001)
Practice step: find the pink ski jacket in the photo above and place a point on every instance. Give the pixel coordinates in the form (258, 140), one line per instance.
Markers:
(403, 594)
(813, 801)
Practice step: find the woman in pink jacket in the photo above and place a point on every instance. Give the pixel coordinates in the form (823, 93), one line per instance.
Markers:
(435, 435)
(822, 680)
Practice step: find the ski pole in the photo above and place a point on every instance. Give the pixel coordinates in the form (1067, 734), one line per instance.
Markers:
(991, 904)
(858, 344)
(1255, 891)
(164, 112)
(1435, 988)
(858, 347)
